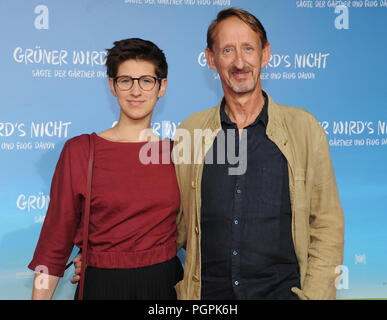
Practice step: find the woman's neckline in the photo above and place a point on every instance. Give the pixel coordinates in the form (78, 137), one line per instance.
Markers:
(127, 142)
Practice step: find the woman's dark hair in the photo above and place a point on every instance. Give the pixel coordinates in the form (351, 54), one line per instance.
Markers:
(136, 48)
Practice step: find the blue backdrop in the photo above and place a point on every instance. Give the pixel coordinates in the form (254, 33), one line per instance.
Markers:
(328, 59)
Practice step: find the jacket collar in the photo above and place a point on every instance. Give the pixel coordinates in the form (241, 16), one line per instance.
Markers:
(275, 125)
(262, 117)
(275, 130)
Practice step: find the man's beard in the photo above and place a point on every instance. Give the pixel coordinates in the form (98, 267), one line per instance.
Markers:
(242, 88)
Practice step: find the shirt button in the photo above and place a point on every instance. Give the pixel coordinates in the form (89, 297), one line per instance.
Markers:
(238, 191)
(235, 253)
(236, 283)
(236, 221)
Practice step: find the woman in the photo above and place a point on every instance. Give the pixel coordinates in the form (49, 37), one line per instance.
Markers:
(132, 229)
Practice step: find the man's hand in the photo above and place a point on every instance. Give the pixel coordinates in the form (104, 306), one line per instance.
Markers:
(78, 265)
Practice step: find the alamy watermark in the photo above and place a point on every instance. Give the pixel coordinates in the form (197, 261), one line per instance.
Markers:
(197, 149)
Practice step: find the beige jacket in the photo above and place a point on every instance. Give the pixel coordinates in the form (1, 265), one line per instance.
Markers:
(317, 217)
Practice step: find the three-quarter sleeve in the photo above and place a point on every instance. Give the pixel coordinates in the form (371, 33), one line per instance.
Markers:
(63, 215)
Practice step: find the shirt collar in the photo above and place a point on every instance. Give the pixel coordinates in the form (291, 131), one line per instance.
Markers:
(263, 115)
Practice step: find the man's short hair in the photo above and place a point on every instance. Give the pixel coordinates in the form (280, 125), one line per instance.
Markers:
(136, 49)
(243, 15)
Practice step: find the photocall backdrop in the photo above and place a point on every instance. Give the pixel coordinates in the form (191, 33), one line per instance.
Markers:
(328, 57)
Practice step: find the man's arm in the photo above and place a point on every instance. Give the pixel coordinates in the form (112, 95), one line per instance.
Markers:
(181, 231)
(180, 220)
(326, 247)
(78, 267)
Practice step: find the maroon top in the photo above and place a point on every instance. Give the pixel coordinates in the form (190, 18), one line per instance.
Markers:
(133, 206)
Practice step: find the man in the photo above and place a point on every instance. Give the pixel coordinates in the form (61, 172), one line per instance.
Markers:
(275, 231)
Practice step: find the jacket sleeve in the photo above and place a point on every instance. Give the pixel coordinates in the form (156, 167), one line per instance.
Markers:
(62, 218)
(181, 231)
(325, 252)
(180, 219)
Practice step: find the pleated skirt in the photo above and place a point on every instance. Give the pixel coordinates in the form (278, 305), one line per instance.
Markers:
(155, 282)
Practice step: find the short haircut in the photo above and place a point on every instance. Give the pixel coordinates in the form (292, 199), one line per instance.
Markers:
(243, 15)
(136, 49)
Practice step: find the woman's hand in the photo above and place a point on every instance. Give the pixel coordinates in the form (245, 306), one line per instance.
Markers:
(78, 266)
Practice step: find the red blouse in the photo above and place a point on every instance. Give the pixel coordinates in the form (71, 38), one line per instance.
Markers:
(133, 207)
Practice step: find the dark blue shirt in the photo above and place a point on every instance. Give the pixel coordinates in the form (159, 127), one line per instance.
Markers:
(246, 244)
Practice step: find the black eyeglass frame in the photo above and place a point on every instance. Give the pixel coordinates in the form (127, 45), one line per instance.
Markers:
(138, 80)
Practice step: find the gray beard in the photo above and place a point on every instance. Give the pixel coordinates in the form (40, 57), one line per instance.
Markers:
(244, 89)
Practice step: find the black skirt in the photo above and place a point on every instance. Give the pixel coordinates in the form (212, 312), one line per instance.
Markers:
(155, 282)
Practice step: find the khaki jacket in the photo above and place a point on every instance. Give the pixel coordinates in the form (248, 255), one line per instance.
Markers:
(317, 216)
